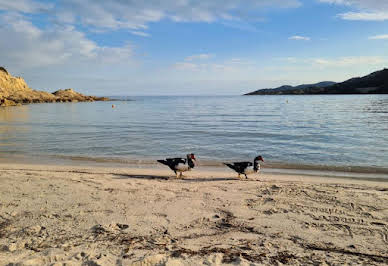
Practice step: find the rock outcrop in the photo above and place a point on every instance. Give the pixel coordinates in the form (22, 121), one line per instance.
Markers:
(69, 95)
(15, 91)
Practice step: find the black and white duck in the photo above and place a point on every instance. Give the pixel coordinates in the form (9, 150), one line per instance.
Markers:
(246, 168)
(180, 165)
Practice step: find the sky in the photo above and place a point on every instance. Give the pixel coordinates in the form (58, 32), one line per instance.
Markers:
(189, 47)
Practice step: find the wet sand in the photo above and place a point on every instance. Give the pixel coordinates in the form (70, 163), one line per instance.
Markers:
(73, 215)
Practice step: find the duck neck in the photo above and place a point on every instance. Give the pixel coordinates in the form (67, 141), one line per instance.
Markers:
(190, 162)
(256, 165)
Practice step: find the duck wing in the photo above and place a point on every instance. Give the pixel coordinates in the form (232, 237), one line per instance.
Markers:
(172, 162)
(239, 167)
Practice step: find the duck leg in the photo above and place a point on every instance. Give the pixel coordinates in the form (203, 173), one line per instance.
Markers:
(246, 177)
(181, 175)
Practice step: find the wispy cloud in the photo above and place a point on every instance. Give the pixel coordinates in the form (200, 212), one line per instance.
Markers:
(199, 57)
(138, 14)
(140, 33)
(201, 63)
(379, 37)
(367, 10)
(334, 62)
(364, 16)
(362, 4)
(186, 66)
(25, 6)
(299, 38)
(349, 61)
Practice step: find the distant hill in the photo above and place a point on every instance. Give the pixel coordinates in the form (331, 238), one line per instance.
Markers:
(286, 88)
(375, 83)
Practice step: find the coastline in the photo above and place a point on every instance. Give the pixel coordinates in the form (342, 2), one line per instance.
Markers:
(101, 215)
(331, 171)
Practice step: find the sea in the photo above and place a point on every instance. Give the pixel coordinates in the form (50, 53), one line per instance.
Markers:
(347, 133)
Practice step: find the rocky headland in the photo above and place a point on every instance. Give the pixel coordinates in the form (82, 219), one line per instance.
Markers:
(374, 83)
(15, 91)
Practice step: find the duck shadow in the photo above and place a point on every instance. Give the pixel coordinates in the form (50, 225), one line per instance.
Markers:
(211, 179)
(158, 177)
(149, 177)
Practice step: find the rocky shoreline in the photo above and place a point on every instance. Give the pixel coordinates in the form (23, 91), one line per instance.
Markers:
(15, 91)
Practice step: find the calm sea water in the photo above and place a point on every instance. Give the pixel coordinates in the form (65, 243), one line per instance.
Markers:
(328, 130)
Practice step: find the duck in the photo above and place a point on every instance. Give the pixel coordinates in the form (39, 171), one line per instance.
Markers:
(246, 168)
(180, 165)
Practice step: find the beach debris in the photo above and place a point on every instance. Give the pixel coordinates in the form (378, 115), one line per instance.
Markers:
(10, 248)
(33, 230)
(99, 229)
(103, 229)
(122, 226)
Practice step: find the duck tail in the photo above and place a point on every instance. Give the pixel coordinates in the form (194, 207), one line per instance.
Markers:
(162, 162)
(229, 165)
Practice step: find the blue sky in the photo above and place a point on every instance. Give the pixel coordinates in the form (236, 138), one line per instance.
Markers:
(187, 47)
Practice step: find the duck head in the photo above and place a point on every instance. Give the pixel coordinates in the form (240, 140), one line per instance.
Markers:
(191, 159)
(259, 158)
(191, 156)
(256, 165)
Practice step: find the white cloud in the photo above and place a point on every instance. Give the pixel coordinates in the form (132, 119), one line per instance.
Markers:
(186, 66)
(349, 61)
(367, 10)
(199, 57)
(362, 4)
(379, 37)
(197, 65)
(25, 6)
(137, 14)
(366, 16)
(335, 62)
(299, 38)
(140, 33)
(28, 46)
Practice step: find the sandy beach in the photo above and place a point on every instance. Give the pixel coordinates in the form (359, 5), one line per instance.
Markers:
(72, 215)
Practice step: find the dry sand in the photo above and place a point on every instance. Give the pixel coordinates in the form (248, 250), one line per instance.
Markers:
(68, 215)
